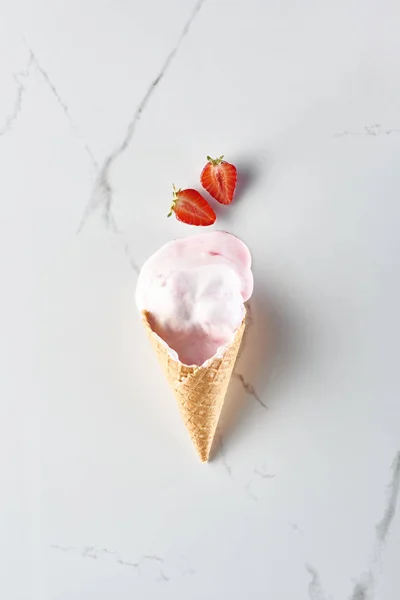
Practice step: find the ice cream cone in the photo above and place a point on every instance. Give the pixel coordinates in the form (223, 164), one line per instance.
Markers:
(200, 391)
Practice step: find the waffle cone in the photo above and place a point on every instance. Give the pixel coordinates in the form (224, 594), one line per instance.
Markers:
(200, 391)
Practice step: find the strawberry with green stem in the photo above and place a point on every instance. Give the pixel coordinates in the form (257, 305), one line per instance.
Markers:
(190, 207)
(219, 179)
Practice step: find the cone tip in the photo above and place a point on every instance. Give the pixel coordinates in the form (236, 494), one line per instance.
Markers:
(204, 455)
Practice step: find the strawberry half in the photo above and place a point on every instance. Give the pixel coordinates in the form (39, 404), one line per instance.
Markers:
(190, 207)
(219, 179)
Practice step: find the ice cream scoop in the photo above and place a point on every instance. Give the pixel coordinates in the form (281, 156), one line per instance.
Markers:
(193, 291)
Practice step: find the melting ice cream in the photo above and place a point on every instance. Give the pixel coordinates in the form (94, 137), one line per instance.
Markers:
(194, 290)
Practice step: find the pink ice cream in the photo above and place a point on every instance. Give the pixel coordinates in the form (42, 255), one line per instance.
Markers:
(194, 290)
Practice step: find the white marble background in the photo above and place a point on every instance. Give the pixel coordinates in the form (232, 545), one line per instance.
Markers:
(103, 105)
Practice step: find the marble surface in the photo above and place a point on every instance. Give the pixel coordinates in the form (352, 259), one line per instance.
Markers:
(103, 105)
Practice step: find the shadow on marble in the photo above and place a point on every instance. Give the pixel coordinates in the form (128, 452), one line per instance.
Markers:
(272, 351)
(249, 171)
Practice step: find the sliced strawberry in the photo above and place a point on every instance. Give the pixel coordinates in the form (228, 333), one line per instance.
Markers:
(219, 179)
(190, 207)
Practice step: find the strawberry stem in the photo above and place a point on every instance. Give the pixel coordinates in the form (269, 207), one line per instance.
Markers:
(215, 161)
(174, 200)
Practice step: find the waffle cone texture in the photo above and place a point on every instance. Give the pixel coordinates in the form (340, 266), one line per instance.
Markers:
(200, 391)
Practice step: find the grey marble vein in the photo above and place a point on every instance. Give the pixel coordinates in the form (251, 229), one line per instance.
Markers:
(364, 586)
(63, 548)
(219, 447)
(362, 589)
(224, 461)
(144, 558)
(51, 86)
(102, 194)
(260, 473)
(89, 552)
(97, 553)
(127, 563)
(186, 569)
(134, 266)
(249, 389)
(263, 474)
(249, 491)
(370, 130)
(20, 91)
(315, 589)
(383, 527)
(296, 528)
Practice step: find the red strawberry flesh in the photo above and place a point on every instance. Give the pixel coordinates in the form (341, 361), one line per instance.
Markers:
(190, 207)
(219, 179)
